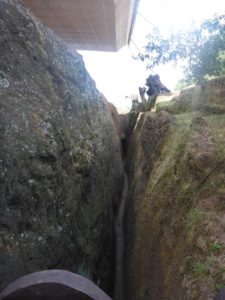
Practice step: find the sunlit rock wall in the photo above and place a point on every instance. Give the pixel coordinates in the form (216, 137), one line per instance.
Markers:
(175, 217)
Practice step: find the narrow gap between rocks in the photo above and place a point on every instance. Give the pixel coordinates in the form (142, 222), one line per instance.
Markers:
(118, 291)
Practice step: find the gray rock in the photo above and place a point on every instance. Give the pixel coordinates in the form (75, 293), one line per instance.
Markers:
(60, 160)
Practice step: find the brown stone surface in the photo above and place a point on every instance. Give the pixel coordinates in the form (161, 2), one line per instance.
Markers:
(175, 218)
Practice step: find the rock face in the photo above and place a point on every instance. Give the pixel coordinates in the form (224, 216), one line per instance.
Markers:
(60, 160)
(175, 209)
(207, 97)
(144, 146)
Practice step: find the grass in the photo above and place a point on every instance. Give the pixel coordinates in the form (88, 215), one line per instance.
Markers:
(172, 203)
(219, 286)
(217, 124)
(193, 217)
(200, 269)
(216, 247)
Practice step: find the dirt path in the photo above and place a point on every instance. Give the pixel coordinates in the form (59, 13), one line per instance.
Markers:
(120, 245)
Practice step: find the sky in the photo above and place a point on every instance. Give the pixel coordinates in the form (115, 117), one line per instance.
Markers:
(118, 75)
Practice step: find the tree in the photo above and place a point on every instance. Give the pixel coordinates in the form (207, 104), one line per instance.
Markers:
(181, 84)
(202, 48)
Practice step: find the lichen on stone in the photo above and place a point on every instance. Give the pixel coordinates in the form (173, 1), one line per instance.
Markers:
(60, 163)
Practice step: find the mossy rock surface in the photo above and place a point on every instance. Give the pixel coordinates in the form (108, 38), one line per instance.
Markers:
(175, 210)
(60, 158)
(207, 97)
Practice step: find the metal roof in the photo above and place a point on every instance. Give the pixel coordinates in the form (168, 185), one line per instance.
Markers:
(100, 25)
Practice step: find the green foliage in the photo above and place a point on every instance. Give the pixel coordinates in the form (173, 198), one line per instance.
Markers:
(193, 217)
(216, 247)
(202, 48)
(219, 286)
(200, 269)
(182, 83)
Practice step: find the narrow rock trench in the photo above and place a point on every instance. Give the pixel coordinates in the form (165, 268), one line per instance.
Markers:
(118, 293)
